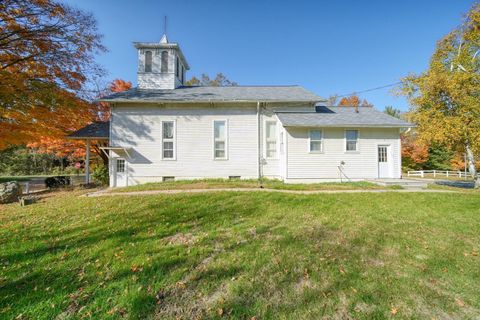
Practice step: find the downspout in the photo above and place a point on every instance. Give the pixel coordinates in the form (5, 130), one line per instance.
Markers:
(259, 143)
(111, 170)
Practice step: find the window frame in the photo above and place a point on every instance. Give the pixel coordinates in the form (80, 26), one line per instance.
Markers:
(357, 149)
(177, 71)
(124, 165)
(384, 156)
(173, 140)
(164, 61)
(310, 141)
(282, 142)
(225, 140)
(266, 139)
(150, 65)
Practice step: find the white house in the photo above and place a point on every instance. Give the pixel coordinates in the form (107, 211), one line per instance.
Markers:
(163, 130)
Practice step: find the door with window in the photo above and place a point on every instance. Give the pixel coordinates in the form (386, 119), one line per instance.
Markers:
(384, 162)
(120, 172)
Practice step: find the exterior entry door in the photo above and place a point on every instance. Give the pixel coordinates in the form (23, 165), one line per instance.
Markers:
(120, 172)
(384, 162)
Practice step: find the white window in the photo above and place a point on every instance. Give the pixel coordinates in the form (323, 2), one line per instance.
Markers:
(120, 165)
(148, 61)
(351, 140)
(177, 68)
(168, 140)
(220, 139)
(316, 141)
(271, 139)
(282, 143)
(164, 65)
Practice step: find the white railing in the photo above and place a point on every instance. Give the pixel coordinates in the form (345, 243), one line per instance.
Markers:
(439, 173)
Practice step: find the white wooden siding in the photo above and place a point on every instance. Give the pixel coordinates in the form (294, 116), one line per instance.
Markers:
(276, 167)
(301, 164)
(156, 79)
(140, 128)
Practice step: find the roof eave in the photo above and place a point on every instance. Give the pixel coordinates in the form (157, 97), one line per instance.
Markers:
(200, 101)
(349, 125)
(85, 137)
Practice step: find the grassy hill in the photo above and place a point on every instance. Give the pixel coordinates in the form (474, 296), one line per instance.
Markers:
(241, 256)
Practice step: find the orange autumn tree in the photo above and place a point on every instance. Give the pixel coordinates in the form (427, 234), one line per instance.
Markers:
(47, 53)
(414, 152)
(117, 85)
(354, 101)
(63, 148)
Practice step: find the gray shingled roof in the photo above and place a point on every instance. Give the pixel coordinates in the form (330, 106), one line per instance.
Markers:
(216, 94)
(95, 130)
(341, 117)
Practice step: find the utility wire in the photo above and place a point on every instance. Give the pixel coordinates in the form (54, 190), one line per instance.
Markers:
(368, 90)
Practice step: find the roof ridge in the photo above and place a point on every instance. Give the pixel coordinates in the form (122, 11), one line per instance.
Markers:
(246, 85)
(341, 106)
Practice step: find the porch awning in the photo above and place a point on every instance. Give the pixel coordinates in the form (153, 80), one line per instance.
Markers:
(98, 130)
(119, 151)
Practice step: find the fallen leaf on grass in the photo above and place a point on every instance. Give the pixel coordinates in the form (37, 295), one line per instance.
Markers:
(460, 303)
(135, 268)
(394, 311)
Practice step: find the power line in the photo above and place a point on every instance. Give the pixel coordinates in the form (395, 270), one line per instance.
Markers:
(368, 90)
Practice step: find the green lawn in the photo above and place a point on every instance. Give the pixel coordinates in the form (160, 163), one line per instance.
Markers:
(237, 183)
(242, 255)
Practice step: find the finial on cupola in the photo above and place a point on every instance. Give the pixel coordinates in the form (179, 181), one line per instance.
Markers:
(164, 38)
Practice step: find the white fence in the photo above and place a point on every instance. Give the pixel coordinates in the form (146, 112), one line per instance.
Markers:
(439, 173)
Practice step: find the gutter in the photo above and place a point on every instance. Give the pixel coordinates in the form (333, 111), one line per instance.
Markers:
(195, 101)
(348, 125)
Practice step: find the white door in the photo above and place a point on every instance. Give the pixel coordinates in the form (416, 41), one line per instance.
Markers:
(120, 172)
(384, 162)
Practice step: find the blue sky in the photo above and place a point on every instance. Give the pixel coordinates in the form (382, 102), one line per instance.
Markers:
(326, 46)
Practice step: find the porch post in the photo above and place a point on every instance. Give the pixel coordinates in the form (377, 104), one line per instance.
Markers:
(87, 163)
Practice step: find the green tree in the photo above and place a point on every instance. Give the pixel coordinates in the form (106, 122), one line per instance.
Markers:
(220, 80)
(20, 160)
(391, 111)
(439, 158)
(445, 98)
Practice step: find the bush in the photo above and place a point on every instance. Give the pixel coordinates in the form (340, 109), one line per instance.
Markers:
(71, 170)
(100, 175)
(57, 182)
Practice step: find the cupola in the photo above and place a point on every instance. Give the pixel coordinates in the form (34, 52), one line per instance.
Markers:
(161, 65)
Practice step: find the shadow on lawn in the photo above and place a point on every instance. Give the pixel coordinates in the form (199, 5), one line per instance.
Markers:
(246, 258)
(60, 263)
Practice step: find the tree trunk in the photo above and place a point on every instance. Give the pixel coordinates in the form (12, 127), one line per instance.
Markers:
(471, 166)
(100, 153)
